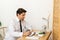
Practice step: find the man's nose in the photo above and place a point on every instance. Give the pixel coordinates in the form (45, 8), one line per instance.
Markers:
(24, 17)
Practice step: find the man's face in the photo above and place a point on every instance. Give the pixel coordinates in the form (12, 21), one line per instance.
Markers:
(21, 16)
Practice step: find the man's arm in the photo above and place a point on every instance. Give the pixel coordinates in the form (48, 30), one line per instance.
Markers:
(28, 29)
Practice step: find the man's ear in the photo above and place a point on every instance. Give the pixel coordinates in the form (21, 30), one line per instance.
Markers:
(18, 14)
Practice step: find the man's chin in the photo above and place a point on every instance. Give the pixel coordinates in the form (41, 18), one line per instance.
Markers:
(22, 19)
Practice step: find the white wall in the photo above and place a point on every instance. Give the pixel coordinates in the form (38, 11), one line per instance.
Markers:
(36, 10)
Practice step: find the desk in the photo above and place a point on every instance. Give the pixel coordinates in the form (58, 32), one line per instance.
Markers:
(45, 37)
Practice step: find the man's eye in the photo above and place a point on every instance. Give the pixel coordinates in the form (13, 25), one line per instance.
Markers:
(23, 15)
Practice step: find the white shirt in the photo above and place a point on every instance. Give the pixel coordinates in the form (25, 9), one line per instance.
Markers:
(13, 30)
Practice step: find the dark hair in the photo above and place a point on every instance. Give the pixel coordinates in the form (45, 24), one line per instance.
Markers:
(20, 11)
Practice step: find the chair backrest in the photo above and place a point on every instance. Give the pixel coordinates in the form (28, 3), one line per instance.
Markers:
(1, 38)
(2, 31)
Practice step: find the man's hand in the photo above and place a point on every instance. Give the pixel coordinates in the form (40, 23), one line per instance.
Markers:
(26, 33)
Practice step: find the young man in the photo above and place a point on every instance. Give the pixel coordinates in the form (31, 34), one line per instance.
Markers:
(18, 26)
